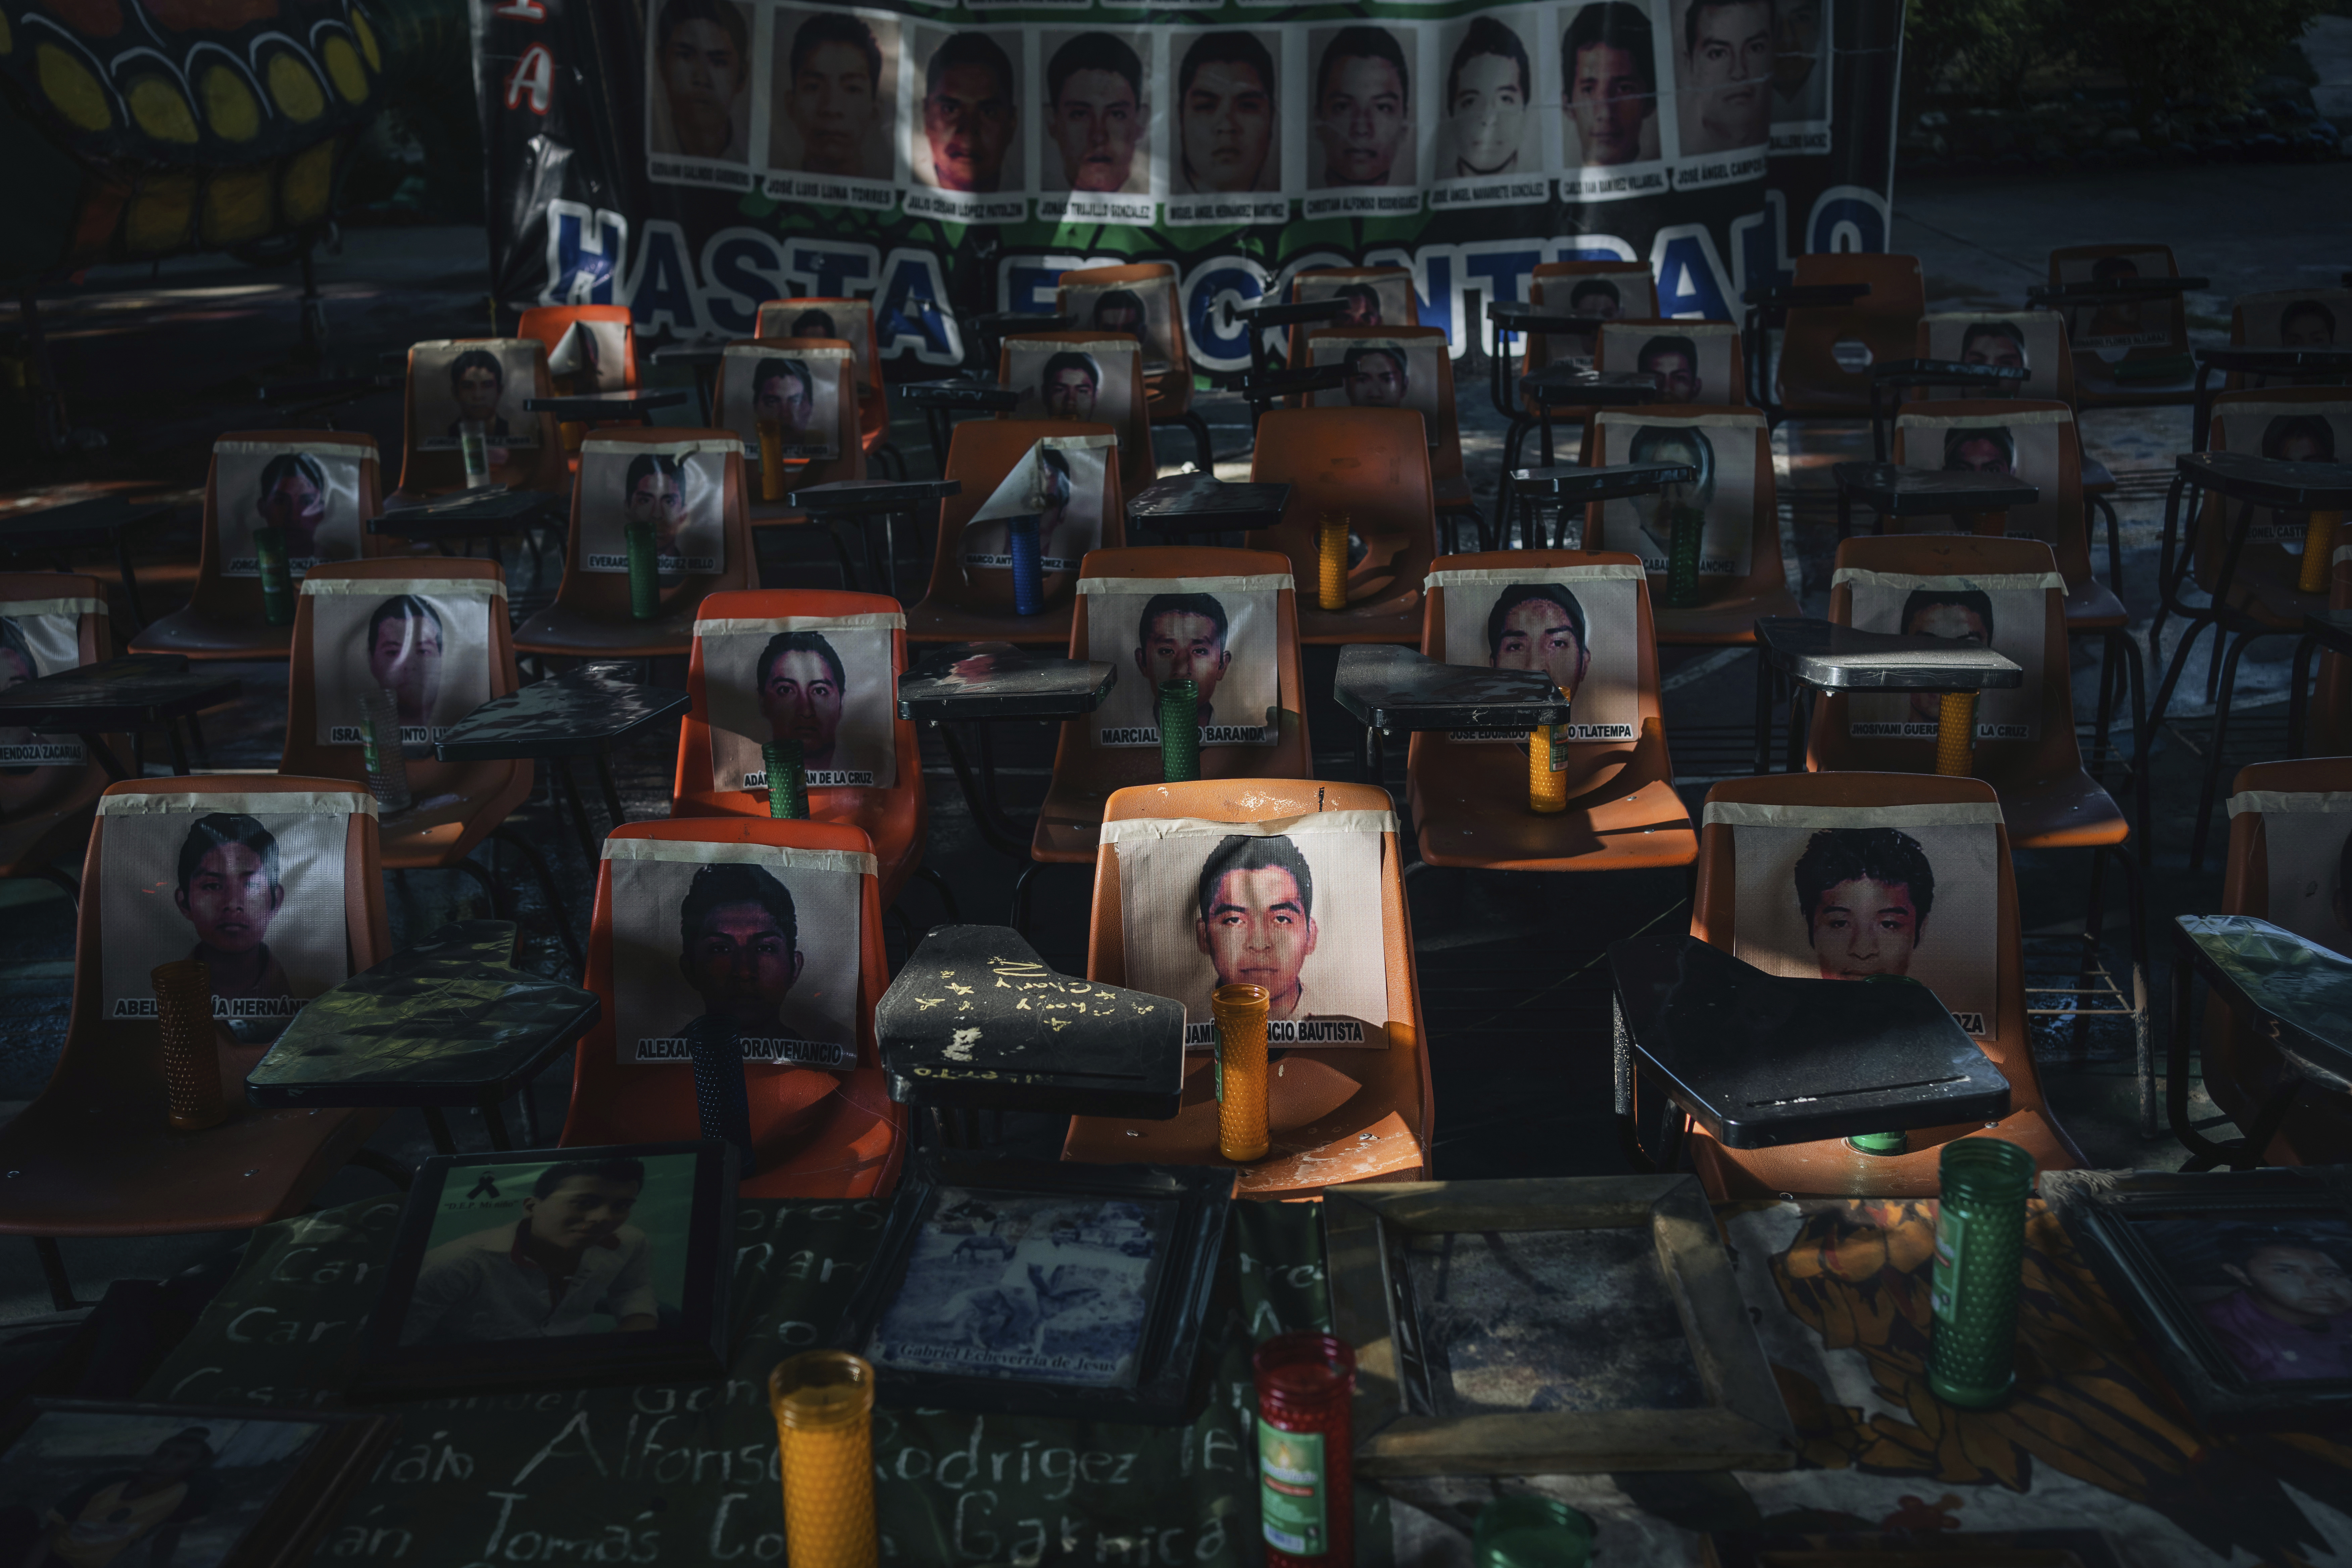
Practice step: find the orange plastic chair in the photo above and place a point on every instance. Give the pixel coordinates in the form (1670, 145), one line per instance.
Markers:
(2150, 372)
(426, 472)
(815, 1134)
(2035, 339)
(1728, 617)
(799, 473)
(1470, 798)
(1610, 289)
(1392, 287)
(46, 810)
(590, 617)
(966, 603)
(1826, 352)
(95, 1155)
(780, 318)
(2265, 584)
(1834, 1168)
(548, 323)
(1169, 393)
(2290, 318)
(222, 619)
(2326, 727)
(1650, 346)
(1448, 485)
(893, 819)
(1373, 465)
(1338, 1114)
(1138, 466)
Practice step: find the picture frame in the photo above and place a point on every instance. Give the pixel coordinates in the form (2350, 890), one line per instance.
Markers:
(1026, 1273)
(292, 1502)
(450, 1336)
(1426, 1405)
(2160, 1244)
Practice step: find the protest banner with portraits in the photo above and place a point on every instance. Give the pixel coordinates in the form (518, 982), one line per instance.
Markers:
(765, 937)
(698, 95)
(1614, 114)
(1293, 904)
(963, 118)
(1382, 372)
(1801, 76)
(591, 356)
(827, 681)
(1832, 893)
(2316, 431)
(452, 380)
(1370, 137)
(2032, 341)
(427, 640)
(1230, 158)
(1692, 359)
(1101, 125)
(250, 885)
(1490, 138)
(2307, 862)
(832, 112)
(1220, 633)
(311, 490)
(1723, 56)
(1722, 448)
(2007, 612)
(798, 390)
(1579, 625)
(850, 320)
(2026, 445)
(1139, 310)
(679, 488)
(1061, 482)
(39, 637)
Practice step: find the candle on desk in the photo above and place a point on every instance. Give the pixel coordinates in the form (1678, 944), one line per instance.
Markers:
(184, 1016)
(823, 1405)
(1331, 550)
(1956, 734)
(771, 460)
(1979, 1269)
(1548, 766)
(276, 575)
(1306, 1493)
(787, 779)
(1241, 1010)
(1180, 731)
(645, 572)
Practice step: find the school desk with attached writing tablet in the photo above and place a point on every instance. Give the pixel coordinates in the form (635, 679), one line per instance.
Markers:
(2291, 991)
(984, 682)
(1980, 503)
(1187, 506)
(861, 503)
(1820, 656)
(1395, 690)
(1951, 377)
(131, 695)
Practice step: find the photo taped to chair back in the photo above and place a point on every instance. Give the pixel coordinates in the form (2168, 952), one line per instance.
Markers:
(1143, 310)
(426, 641)
(824, 681)
(591, 356)
(796, 390)
(1720, 500)
(2031, 340)
(2008, 614)
(848, 319)
(39, 637)
(2307, 856)
(483, 380)
(1061, 482)
(2025, 445)
(309, 490)
(1577, 625)
(679, 490)
(1219, 633)
(1692, 359)
(2318, 431)
(1384, 373)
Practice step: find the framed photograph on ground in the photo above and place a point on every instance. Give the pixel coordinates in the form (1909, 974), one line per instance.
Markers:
(527, 1269)
(1035, 1287)
(2241, 1281)
(1547, 1327)
(86, 1482)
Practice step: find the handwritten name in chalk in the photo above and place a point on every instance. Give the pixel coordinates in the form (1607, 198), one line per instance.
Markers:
(756, 1048)
(223, 1006)
(1285, 1032)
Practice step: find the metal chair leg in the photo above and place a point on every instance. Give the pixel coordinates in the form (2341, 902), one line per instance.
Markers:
(480, 873)
(64, 879)
(1020, 896)
(1206, 448)
(2213, 783)
(53, 1269)
(947, 894)
(540, 868)
(2298, 695)
(383, 1165)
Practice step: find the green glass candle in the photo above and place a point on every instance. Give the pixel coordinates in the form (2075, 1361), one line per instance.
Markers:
(1979, 1268)
(1688, 532)
(1522, 1531)
(787, 779)
(1180, 731)
(276, 575)
(645, 573)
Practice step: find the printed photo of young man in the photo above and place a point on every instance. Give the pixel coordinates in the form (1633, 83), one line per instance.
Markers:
(1256, 918)
(1980, 450)
(1376, 377)
(476, 382)
(739, 946)
(1539, 627)
(1488, 87)
(833, 95)
(1069, 385)
(1726, 74)
(653, 491)
(1226, 106)
(1995, 344)
(293, 496)
(1609, 72)
(404, 644)
(702, 59)
(229, 890)
(784, 391)
(572, 1265)
(2291, 1317)
(1674, 359)
(1363, 109)
(1363, 305)
(1181, 636)
(1864, 894)
(972, 113)
(1097, 114)
(802, 686)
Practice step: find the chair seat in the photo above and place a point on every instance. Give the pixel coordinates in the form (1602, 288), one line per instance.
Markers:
(935, 621)
(816, 1134)
(1453, 492)
(2098, 479)
(1335, 1117)
(1069, 822)
(1725, 622)
(445, 823)
(560, 632)
(36, 834)
(1833, 1168)
(1470, 805)
(194, 634)
(2069, 812)
(2264, 590)
(1394, 617)
(892, 818)
(2092, 606)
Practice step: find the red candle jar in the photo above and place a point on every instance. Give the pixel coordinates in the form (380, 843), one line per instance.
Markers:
(1306, 1494)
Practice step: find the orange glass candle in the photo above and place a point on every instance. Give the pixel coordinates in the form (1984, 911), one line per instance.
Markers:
(824, 1405)
(1956, 734)
(1331, 550)
(2319, 551)
(771, 460)
(1241, 1011)
(184, 1016)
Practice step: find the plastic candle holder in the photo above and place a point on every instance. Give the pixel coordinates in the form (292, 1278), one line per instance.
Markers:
(183, 1017)
(1979, 1262)
(1688, 532)
(474, 442)
(1306, 1491)
(1546, 769)
(1180, 731)
(2319, 551)
(1028, 566)
(1523, 1530)
(787, 779)
(1241, 1070)
(380, 749)
(1956, 734)
(771, 460)
(276, 575)
(1331, 555)
(824, 1405)
(722, 1106)
(645, 572)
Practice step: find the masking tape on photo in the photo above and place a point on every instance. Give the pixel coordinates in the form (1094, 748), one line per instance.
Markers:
(698, 852)
(1926, 814)
(1620, 572)
(1905, 582)
(1730, 419)
(17, 609)
(1976, 421)
(2342, 554)
(390, 587)
(1095, 346)
(1260, 583)
(1317, 347)
(724, 626)
(350, 447)
(604, 446)
(2332, 803)
(1077, 443)
(293, 803)
(770, 350)
(1142, 829)
(1692, 329)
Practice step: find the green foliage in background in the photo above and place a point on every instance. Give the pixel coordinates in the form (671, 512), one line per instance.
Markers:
(424, 154)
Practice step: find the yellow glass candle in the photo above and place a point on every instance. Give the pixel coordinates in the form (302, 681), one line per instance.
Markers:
(1547, 768)
(1956, 734)
(824, 1405)
(1331, 548)
(1241, 1070)
(2318, 550)
(183, 1017)
(771, 460)
(573, 432)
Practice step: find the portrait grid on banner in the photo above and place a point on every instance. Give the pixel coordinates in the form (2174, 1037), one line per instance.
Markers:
(1692, 359)
(251, 885)
(1294, 905)
(309, 490)
(2307, 850)
(1826, 894)
(1095, 144)
(1094, 381)
(2110, 330)
(2007, 613)
(1143, 311)
(2237, 1272)
(1490, 144)
(1723, 449)
(2314, 432)
(678, 488)
(2027, 339)
(634, 1271)
(1722, 56)
(824, 681)
(963, 119)
(1610, 296)
(1383, 301)
(1574, 624)
(489, 379)
(1061, 480)
(762, 936)
(1045, 1288)
(843, 318)
(1371, 135)
(832, 107)
(427, 642)
(1800, 76)
(2020, 446)
(1614, 105)
(699, 93)
(1219, 633)
(2296, 319)
(1230, 159)
(592, 357)
(39, 637)
(799, 390)
(1383, 372)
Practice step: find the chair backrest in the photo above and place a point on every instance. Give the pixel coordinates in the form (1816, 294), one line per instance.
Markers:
(1373, 465)
(1137, 300)
(807, 383)
(2291, 319)
(712, 535)
(1395, 367)
(1698, 361)
(1245, 666)
(828, 318)
(1377, 296)
(2308, 423)
(496, 376)
(1085, 375)
(1740, 547)
(1767, 886)
(2006, 592)
(1614, 289)
(1826, 352)
(777, 925)
(2106, 336)
(2328, 721)
(323, 486)
(49, 621)
(2033, 339)
(2035, 442)
(590, 348)
(431, 629)
(997, 461)
(819, 665)
(2291, 847)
